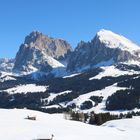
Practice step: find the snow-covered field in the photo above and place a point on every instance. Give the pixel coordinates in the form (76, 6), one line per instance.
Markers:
(4, 76)
(54, 95)
(14, 126)
(26, 88)
(105, 93)
(113, 72)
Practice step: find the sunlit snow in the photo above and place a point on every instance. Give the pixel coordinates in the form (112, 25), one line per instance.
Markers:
(26, 88)
(14, 126)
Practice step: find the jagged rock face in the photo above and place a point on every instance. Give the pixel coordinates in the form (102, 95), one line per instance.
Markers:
(55, 48)
(6, 64)
(106, 48)
(38, 52)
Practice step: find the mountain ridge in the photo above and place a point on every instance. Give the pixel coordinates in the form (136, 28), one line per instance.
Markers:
(40, 50)
(105, 48)
(96, 76)
(100, 49)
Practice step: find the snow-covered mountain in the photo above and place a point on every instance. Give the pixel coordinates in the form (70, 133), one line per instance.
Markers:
(41, 53)
(6, 64)
(90, 78)
(106, 48)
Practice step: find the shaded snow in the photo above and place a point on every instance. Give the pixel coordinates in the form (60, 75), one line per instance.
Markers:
(105, 63)
(54, 63)
(59, 71)
(132, 62)
(4, 76)
(51, 61)
(125, 125)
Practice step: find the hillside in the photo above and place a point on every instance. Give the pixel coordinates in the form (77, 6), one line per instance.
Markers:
(46, 125)
(99, 75)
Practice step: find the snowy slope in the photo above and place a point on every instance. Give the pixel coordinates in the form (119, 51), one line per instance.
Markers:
(99, 108)
(113, 72)
(64, 96)
(125, 125)
(113, 40)
(53, 95)
(105, 93)
(52, 62)
(15, 127)
(4, 76)
(26, 88)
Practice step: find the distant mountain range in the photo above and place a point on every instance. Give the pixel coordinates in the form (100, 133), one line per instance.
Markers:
(40, 53)
(6, 64)
(90, 78)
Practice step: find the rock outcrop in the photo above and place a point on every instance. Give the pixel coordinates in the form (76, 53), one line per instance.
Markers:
(40, 52)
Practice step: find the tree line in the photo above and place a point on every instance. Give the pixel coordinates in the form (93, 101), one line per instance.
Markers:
(97, 118)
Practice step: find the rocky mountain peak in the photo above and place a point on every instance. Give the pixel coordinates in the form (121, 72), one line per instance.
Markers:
(105, 48)
(44, 53)
(32, 37)
(53, 46)
(38, 48)
(114, 40)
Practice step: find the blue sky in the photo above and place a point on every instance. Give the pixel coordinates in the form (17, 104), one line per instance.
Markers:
(73, 20)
